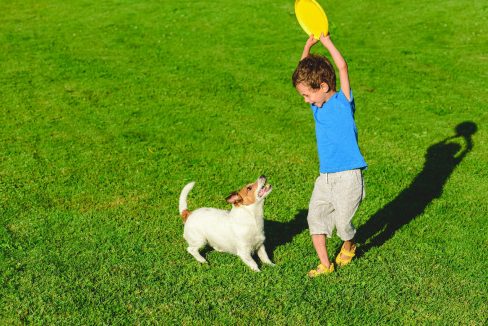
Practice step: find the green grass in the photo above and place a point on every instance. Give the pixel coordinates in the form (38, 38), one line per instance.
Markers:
(108, 108)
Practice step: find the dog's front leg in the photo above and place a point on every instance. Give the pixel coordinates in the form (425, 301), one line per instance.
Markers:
(245, 255)
(264, 256)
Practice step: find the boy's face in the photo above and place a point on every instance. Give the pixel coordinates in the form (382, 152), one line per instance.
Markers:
(313, 96)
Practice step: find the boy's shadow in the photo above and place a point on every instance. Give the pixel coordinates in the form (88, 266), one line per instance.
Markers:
(441, 160)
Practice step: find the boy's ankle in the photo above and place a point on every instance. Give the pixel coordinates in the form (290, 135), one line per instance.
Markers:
(325, 263)
(348, 245)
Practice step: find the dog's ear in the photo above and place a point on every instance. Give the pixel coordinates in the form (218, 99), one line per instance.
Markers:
(234, 198)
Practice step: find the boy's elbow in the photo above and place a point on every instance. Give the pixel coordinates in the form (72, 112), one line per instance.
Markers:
(342, 66)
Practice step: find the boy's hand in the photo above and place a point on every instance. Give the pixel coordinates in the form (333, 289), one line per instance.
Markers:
(311, 41)
(324, 38)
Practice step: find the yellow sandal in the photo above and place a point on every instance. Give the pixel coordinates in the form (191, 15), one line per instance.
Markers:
(321, 270)
(348, 253)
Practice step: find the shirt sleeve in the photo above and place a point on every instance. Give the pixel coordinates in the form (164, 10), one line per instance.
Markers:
(343, 98)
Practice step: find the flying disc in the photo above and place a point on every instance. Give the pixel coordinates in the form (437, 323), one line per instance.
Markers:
(311, 17)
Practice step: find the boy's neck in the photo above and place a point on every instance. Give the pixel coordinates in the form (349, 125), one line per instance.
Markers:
(329, 95)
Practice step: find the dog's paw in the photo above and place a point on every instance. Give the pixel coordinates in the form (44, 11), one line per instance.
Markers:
(254, 267)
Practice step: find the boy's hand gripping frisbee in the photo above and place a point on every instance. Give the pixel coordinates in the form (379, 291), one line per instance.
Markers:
(311, 17)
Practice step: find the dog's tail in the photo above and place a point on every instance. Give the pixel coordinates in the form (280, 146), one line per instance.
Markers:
(184, 212)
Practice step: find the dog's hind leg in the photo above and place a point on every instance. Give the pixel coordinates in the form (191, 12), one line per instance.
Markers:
(247, 259)
(194, 244)
(264, 256)
(195, 253)
(195, 241)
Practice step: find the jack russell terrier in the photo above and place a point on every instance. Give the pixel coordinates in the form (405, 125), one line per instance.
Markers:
(239, 231)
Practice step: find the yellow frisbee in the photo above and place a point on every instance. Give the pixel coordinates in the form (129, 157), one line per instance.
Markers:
(311, 17)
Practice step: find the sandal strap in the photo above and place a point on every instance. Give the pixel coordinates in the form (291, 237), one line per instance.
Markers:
(349, 253)
(341, 260)
(313, 272)
(321, 269)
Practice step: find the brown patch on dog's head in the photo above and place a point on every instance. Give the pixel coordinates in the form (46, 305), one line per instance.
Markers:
(245, 196)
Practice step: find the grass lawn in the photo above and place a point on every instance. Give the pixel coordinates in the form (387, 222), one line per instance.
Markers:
(108, 108)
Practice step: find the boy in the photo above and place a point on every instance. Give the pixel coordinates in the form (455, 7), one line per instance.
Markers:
(339, 189)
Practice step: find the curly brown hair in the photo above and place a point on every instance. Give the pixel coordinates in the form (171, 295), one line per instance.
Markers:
(313, 71)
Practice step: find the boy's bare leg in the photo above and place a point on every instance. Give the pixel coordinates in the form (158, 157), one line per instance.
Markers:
(319, 241)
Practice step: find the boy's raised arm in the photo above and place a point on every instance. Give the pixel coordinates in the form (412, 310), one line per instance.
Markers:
(340, 63)
(306, 50)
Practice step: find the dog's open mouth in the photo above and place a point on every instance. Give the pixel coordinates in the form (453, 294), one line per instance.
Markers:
(264, 190)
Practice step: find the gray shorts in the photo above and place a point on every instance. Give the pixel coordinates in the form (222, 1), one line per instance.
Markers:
(335, 200)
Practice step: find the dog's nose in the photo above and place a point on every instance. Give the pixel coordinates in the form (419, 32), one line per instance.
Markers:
(263, 176)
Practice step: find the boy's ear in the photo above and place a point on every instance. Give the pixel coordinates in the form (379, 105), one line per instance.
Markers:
(325, 87)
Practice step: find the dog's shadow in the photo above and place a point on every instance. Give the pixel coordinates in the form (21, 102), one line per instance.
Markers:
(281, 233)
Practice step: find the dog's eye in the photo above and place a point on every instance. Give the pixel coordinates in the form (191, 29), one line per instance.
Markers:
(249, 188)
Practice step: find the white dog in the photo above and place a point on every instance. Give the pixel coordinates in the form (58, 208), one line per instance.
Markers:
(239, 231)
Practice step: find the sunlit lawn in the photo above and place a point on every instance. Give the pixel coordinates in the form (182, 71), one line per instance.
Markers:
(109, 108)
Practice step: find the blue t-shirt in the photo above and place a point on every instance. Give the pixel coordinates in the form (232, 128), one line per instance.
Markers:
(337, 136)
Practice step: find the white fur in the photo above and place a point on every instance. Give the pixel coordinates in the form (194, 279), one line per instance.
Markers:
(184, 193)
(239, 231)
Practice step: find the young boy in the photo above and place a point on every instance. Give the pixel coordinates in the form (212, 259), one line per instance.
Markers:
(339, 189)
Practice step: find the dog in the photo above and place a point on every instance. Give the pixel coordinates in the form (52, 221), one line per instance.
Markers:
(239, 231)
